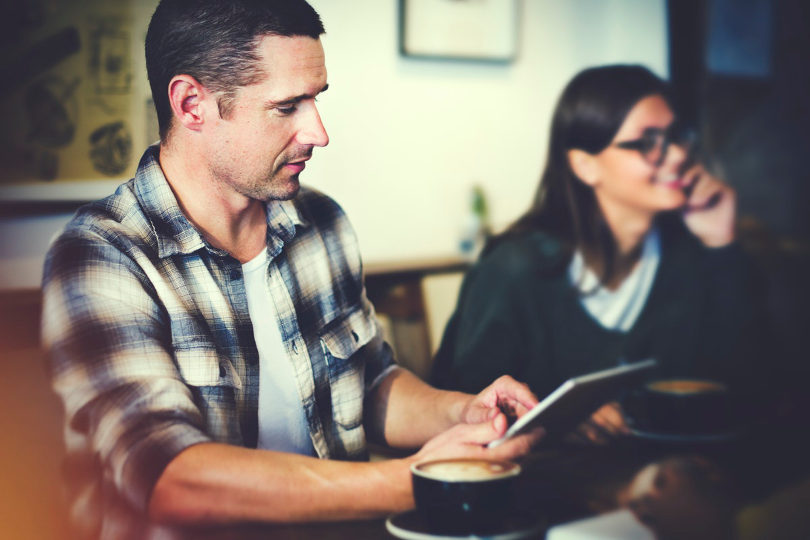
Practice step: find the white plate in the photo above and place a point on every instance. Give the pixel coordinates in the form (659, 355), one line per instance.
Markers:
(409, 526)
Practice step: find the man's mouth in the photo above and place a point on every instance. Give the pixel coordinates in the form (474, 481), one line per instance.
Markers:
(295, 166)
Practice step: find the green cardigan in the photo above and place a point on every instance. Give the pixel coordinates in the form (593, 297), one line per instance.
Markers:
(518, 314)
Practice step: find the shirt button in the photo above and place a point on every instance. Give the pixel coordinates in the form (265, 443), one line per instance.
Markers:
(295, 347)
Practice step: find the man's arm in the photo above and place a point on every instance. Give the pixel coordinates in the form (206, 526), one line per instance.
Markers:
(217, 483)
(405, 412)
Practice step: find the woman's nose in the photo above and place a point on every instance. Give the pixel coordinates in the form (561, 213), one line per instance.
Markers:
(674, 155)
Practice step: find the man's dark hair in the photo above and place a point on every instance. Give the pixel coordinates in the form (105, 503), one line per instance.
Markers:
(215, 42)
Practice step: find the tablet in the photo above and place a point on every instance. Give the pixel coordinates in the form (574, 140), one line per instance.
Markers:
(575, 399)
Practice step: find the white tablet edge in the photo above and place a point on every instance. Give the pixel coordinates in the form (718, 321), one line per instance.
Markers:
(563, 389)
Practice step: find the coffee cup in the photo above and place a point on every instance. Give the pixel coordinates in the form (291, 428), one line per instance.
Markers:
(464, 496)
(680, 406)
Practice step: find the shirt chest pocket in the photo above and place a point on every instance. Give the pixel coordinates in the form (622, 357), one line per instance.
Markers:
(216, 389)
(342, 341)
(202, 366)
(198, 360)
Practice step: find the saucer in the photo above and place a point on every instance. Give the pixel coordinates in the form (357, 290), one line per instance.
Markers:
(410, 526)
(723, 436)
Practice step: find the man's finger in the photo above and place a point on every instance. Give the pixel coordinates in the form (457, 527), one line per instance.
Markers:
(518, 445)
(482, 432)
(508, 388)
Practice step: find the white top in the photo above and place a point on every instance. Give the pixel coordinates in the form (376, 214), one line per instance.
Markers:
(282, 424)
(619, 309)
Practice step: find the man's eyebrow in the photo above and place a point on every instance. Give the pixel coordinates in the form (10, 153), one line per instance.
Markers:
(293, 100)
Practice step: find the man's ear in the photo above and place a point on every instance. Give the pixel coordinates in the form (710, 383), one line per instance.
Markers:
(584, 166)
(186, 96)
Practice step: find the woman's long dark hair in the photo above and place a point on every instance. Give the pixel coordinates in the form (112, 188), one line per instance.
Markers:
(590, 111)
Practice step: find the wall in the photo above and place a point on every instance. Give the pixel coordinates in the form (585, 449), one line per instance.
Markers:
(410, 137)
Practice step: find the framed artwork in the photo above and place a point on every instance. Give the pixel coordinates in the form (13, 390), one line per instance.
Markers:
(73, 104)
(483, 30)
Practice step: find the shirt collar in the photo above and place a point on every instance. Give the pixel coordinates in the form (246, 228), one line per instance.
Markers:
(176, 234)
(282, 219)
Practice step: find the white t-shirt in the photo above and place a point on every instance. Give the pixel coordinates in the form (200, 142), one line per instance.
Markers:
(619, 309)
(282, 424)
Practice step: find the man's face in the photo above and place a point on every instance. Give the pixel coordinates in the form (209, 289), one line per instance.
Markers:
(258, 150)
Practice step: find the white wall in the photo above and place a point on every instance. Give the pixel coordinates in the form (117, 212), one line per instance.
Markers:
(410, 137)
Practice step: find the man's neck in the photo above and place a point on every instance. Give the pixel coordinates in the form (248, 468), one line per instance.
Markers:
(228, 220)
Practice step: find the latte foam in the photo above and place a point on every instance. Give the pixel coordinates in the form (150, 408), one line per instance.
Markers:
(684, 386)
(466, 470)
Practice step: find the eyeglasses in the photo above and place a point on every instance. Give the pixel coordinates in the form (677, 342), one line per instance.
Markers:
(654, 142)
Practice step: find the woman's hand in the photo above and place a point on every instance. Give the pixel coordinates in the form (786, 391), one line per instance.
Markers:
(604, 425)
(710, 209)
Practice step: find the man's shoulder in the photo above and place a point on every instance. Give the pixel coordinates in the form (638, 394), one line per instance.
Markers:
(116, 220)
(110, 215)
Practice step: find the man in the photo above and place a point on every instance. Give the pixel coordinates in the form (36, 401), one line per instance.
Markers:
(207, 326)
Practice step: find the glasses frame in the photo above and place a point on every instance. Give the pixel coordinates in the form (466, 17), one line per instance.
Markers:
(654, 143)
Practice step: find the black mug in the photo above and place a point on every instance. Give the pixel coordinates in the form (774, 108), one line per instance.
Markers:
(464, 496)
(680, 407)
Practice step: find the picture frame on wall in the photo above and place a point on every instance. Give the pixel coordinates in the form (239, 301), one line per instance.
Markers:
(74, 103)
(477, 30)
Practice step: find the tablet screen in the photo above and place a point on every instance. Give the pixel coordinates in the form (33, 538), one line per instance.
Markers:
(575, 399)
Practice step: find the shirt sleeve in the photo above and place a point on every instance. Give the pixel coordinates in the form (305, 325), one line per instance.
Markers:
(108, 346)
(380, 356)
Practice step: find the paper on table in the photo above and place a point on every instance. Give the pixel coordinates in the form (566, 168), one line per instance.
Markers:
(621, 525)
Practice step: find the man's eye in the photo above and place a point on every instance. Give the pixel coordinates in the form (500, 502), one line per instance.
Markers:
(286, 111)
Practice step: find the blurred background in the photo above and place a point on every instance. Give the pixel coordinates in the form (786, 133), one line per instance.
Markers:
(438, 113)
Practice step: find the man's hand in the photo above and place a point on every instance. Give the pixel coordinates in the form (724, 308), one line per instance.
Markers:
(505, 398)
(470, 440)
(709, 212)
(484, 418)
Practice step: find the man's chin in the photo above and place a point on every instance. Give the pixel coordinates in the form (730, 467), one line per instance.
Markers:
(284, 192)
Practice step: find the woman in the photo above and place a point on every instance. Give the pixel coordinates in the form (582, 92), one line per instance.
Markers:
(627, 253)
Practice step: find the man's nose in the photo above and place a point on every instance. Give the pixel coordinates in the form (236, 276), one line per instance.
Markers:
(312, 131)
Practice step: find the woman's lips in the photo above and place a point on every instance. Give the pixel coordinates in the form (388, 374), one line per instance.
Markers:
(672, 182)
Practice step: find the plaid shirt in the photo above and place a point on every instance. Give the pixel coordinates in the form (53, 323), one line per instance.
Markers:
(151, 347)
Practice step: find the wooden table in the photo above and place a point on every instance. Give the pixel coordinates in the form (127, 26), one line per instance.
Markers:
(564, 483)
